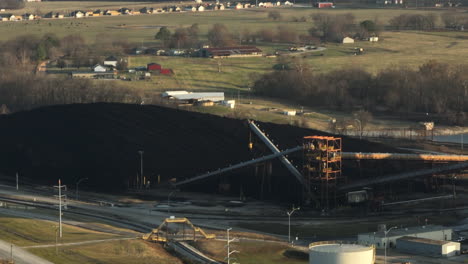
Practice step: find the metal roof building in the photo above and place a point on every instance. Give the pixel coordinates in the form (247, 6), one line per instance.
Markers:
(213, 97)
(428, 247)
(379, 239)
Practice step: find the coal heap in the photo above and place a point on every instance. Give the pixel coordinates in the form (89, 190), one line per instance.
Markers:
(101, 142)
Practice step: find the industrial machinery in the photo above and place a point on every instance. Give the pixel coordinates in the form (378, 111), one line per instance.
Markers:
(321, 176)
(177, 231)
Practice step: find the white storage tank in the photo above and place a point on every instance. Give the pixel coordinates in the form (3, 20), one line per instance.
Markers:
(334, 252)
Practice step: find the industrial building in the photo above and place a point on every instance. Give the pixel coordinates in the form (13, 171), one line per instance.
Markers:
(428, 247)
(224, 52)
(336, 252)
(380, 240)
(194, 97)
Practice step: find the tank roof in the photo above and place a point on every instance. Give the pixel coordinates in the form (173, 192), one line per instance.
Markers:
(336, 247)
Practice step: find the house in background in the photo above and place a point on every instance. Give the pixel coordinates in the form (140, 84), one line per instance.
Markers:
(28, 17)
(99, 68)
(347, 40)
(111, 61)
(77, 14)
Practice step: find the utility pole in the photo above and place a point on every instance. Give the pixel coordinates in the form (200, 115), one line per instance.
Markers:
(64, 204)
(141, 169)
(228, 245)
(386, 242)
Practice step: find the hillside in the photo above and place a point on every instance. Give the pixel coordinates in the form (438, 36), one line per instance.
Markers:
(101, 142)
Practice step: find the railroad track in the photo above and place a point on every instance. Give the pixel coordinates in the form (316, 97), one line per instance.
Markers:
(188, 251)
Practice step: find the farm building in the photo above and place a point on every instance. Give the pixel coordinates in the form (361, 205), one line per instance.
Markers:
(166, 71)
(99, 68)
(93, 75)
(380, 241)
(153, 67)
(77, 14)
(199, 97)
(111, 61)
(243, 51)
(171, 94)
(428, 247)
(347, 40)
(324, 5)
(193, 97)
(28, 17)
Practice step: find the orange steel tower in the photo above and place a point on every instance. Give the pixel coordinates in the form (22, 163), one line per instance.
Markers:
(322, 167)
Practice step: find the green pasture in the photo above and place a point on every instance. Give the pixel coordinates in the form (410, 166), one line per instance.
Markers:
(29, 232)
(112, 252)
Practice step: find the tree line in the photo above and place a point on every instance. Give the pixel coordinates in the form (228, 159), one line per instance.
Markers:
(12, 4)
(432, 88)
(21, 88)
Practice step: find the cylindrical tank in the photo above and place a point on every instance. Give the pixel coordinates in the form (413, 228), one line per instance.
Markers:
(332, 252)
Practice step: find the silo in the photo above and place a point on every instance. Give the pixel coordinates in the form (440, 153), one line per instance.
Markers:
(333, 252)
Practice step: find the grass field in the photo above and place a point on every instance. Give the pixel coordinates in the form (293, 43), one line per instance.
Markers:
(395, 49)
(250, 252)
(115, 252)
(29, 232)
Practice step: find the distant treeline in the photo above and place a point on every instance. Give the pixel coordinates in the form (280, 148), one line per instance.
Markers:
(21, 88)
(12, 4)
(433, 88)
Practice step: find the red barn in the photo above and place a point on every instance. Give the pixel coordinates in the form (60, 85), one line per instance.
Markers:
(324, 5)
(166, 71)
(153, 67)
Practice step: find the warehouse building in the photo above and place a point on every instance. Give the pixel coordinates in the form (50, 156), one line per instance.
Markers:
(428, 247)
(194, 97)
(379, 240)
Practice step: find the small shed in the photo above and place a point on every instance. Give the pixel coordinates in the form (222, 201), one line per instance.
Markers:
(428, 247)
(153, 67)
(111, 61)
(348, 40)
(166, 71)
(99, 68)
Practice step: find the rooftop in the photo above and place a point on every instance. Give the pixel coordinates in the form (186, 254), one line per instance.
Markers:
(407, 231)
(424, 240)
(338, 248)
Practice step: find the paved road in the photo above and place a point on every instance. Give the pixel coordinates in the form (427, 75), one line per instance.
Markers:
(20, 256)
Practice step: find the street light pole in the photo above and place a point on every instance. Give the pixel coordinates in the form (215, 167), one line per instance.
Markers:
(289, 221)
(386, 243)
(77, 184)
(141, 168)
(168, 203)
(360, 128)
